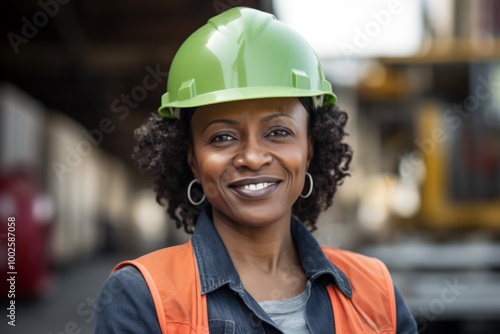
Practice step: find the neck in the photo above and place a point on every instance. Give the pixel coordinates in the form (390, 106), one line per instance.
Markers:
(268, 248)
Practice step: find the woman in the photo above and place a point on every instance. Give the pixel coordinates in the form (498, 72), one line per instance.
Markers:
(247, 152)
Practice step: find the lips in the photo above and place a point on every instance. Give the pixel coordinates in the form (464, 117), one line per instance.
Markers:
(255, 188)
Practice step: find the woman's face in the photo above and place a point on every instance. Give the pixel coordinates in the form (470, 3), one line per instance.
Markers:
(251, 158)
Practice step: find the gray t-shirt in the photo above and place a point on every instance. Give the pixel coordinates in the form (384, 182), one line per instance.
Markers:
(289, 314)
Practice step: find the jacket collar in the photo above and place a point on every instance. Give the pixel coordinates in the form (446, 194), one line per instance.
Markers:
(216, 268)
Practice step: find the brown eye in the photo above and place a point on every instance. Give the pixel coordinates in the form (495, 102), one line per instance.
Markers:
(222, 138)
(279, 133)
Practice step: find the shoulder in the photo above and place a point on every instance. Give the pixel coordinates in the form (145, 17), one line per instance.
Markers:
(351, 262)
(124, 304)
(372, 286)
(337, 252)
(123, 278)
(365, 274)
(358, 268)
(165, 257)
(126, 283)
(368, 276)
(406, 323)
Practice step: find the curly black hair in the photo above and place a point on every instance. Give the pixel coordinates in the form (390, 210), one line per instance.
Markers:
(163, 144)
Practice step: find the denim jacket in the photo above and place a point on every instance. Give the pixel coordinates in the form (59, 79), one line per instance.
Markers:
(125, 305)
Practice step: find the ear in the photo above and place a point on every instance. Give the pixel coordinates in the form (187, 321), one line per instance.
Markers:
(310, 150)
(193, 163)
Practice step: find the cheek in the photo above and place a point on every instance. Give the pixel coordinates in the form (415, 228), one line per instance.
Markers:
(211, 161)
(295, 158)
(212, 167)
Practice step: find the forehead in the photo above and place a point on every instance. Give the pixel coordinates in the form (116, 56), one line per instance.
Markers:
(250, 109)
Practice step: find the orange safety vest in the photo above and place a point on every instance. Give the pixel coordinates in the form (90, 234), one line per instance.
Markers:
(172, 277)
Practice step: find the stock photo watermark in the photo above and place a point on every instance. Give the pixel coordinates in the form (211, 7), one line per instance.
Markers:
(31, 26)
(452, 119)
(121, 107)
(437, 306)
(363, 36)
(88, 308)
(11, 271)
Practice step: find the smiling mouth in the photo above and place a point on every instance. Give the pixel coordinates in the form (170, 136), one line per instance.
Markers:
(256, 186)
(255, 189)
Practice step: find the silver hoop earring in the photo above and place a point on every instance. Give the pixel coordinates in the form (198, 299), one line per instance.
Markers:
(189, 194)
(309, 176)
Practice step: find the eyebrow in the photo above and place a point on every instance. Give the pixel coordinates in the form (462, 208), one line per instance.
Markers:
(270, 117)
(233, 122)
(224, 121)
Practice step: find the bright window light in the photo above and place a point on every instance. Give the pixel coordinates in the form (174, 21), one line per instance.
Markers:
(355, 28)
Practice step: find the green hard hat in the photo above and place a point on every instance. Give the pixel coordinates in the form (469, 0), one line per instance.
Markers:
(242, 54)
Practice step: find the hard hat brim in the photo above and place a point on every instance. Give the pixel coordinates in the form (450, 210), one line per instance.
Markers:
(239, 94)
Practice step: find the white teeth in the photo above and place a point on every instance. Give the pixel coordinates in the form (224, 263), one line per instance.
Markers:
(257, 186)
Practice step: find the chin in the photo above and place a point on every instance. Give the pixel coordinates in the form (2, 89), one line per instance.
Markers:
(256, 215)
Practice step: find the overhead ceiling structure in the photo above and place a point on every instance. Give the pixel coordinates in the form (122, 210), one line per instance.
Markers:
(99, 59)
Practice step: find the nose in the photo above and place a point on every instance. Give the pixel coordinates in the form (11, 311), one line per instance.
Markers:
(253, 155)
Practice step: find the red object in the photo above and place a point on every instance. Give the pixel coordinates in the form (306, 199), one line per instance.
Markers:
(22, 199)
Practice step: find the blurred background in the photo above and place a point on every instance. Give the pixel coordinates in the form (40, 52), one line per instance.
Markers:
(419, 79)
